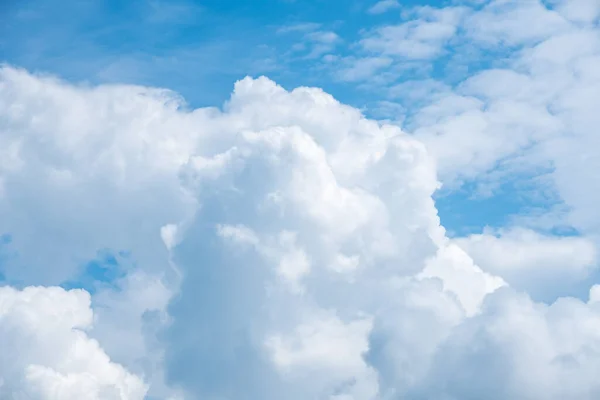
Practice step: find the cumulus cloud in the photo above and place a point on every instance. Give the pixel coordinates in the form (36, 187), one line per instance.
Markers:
(46, 353)
(520, 349)
(92, 167)
(543, 266)
(128, 317)
(285, 246)
(309, 205)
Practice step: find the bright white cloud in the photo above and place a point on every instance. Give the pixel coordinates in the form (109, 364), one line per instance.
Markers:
(462, 277)
(104, 160)
(296, 242)
(314, 194)
(47, 355)
(346, 200)
(520, 349)
(325, 345)
(541, 265)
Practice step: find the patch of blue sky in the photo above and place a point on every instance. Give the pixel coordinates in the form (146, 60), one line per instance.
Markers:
(6, 254)
(198, 48)
(466, 210)
(5, 240)
(104, 271)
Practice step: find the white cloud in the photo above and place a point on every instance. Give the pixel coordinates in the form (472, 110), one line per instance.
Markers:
(514, 22)
(361, 68)
(46, 353)
(282, 187)
(520, 349)
(352, 201)
(314, 43)
(314, 344)
(529, 113)
(462, 277)
(419, 39)
(104, 160)
(322, 42)
(578, 10)
(418, 91)
(300, 27)
(383, 6)
(324, 195)
(540, 265)
(127, 320)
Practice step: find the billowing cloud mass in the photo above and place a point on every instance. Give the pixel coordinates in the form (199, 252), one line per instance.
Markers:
(303, 244)
(46, 353)
(284, 246)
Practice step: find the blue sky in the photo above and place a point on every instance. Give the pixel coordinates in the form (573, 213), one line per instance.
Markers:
(342, 200)
(181, 44)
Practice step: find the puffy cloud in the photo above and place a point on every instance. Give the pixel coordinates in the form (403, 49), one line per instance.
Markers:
(92, 167)
(543, 266)
(297, 217)
(526, 110)
(284, 246)
(520, 349)
(46, 353)
(462, 277)
(128, 317)
(286, 191)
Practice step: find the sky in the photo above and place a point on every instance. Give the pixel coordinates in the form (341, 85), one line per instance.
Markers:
(337, 200)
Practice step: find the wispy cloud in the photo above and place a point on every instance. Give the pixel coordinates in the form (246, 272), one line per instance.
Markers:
(418, 39)
(383, 6)
(313, 41)
(358, 69)
(299, 27)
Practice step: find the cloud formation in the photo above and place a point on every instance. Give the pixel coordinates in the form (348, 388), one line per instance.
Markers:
(282, 206)
(285, 246)
(383, 6)
(46, 353)
(544, 266)
(504, 90)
